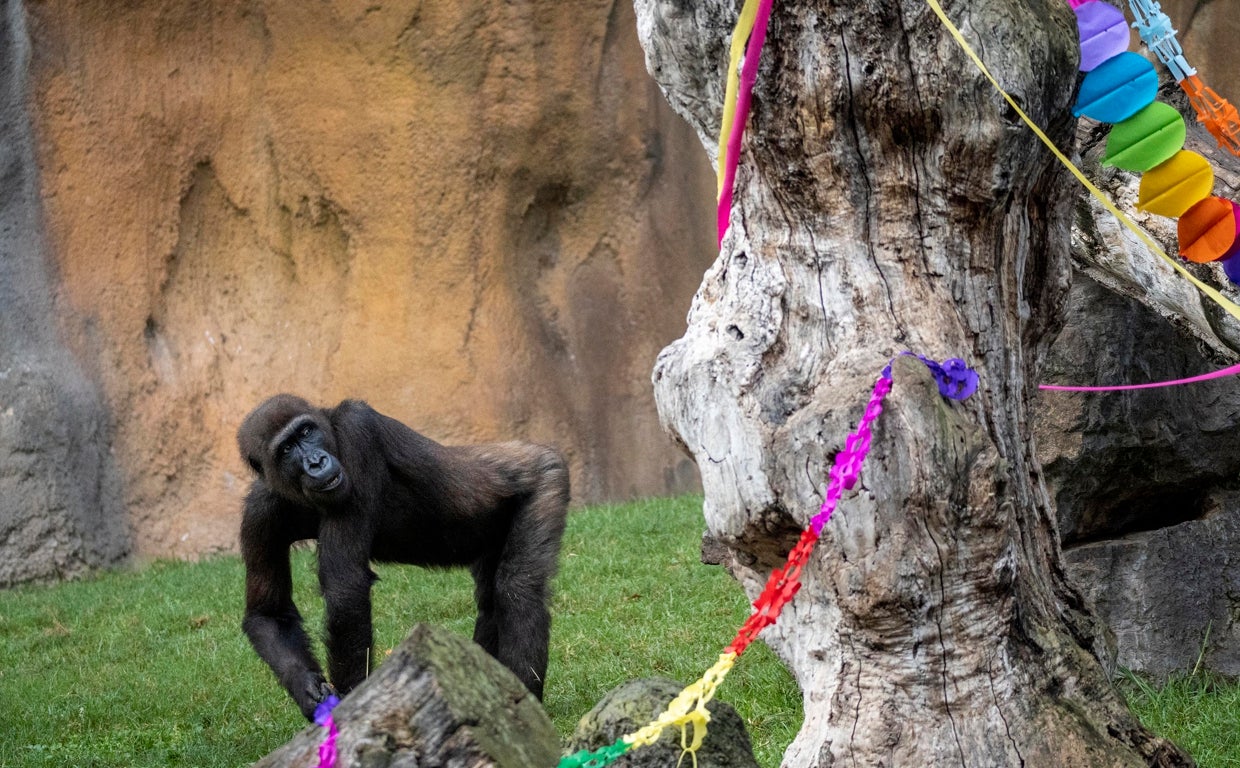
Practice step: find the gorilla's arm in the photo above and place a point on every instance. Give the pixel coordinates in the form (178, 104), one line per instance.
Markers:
(345, 579)
(272, 621)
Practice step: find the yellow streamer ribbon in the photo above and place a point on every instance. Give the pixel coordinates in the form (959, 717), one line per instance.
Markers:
(1141, 234)
(687, 709)
(744, 25)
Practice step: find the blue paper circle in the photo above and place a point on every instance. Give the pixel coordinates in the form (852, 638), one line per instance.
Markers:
(1117, 88)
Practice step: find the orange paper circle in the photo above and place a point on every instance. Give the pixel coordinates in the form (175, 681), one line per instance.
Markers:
(1172, 188)
(1207, 230)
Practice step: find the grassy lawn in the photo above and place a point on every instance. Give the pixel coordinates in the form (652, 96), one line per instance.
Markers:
(150, 668)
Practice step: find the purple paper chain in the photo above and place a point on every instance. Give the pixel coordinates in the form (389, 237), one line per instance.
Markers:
(955, 380)
(323, 717)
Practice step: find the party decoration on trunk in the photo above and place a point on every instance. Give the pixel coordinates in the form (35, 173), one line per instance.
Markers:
(1209, 291)
(1117, 88)
(1103, 31)
(1207, 231)
(1217, 115)
(1214, 112)
(752, 25)
(688, 710)
(1176, 185)
(1230, 265)
(1229, 371)
(323, 717)
(1148, 138)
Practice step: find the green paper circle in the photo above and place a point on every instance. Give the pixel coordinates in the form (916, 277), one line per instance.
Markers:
(1146, 139)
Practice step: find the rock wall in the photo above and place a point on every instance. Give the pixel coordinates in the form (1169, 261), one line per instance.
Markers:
(478, 216)
(60, 506)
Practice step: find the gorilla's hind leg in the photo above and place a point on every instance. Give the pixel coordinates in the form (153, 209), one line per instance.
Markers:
(524, 572)
(486, 627)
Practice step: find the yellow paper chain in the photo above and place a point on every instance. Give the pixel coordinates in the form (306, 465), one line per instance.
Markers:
(687, 709)
(744, 25)
(1141, 234)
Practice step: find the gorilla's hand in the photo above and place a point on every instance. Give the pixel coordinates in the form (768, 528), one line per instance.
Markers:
(313, 690)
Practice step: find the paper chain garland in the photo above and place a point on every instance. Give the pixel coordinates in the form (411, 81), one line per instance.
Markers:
(1120, 87)
(956, 381)
(323, 717)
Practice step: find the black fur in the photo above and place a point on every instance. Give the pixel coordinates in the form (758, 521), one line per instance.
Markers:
(369, 488)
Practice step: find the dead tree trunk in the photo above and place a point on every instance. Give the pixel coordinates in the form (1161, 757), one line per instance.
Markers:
(888, 201)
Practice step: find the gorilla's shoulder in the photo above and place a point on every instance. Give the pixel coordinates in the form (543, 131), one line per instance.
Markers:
(352, 408)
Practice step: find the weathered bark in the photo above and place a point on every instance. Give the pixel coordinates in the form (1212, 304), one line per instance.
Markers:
(888, 200)
(438, 700)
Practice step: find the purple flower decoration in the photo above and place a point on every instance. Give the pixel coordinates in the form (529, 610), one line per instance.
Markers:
(324, 709)
(955, 379)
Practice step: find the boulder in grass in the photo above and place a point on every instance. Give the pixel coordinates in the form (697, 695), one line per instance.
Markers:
(634, 704)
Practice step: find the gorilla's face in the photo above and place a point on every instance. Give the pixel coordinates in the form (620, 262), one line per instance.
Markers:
(305, 458)
(291, 447)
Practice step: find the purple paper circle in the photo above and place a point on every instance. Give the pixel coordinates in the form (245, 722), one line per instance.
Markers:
(1231, 259)
(1103, 32)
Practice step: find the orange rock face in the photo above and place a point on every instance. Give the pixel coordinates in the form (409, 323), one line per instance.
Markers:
(480, 217)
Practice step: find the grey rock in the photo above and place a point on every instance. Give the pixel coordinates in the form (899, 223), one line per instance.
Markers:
(632, 705)
(1144, 483)
(1171, 596)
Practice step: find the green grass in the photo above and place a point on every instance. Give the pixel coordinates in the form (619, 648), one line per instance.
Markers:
(149, 667)
(1199, 712)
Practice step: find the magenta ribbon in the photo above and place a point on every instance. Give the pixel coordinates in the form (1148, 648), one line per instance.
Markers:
(323, 717)
(1229, 371)
(749, 75)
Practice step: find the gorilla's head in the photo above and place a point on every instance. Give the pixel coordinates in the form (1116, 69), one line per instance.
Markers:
(292, 447)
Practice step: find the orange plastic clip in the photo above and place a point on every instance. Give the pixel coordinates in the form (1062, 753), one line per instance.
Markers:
(1215, 113)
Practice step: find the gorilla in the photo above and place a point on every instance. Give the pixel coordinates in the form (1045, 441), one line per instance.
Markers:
(369, 488)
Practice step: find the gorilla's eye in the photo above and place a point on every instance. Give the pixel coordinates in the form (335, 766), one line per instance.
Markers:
(286, 448)
(306, 430)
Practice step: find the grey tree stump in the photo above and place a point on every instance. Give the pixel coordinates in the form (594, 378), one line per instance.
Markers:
(438, 700)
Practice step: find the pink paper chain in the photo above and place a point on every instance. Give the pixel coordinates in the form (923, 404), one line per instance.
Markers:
(848, 462)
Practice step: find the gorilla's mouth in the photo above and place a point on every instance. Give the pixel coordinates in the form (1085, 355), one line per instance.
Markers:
(332, 484)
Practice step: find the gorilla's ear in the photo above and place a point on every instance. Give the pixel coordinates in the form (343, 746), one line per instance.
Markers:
(254, 465)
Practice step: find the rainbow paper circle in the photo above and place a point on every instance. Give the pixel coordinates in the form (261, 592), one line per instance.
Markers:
(1117, 88)
(1207, 231)
(1172, 188)
(1146, 139)
(1103, 30)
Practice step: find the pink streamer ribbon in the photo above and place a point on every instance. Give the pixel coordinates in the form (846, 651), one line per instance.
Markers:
(1229, 371)
(749, 75)
(323, 717)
